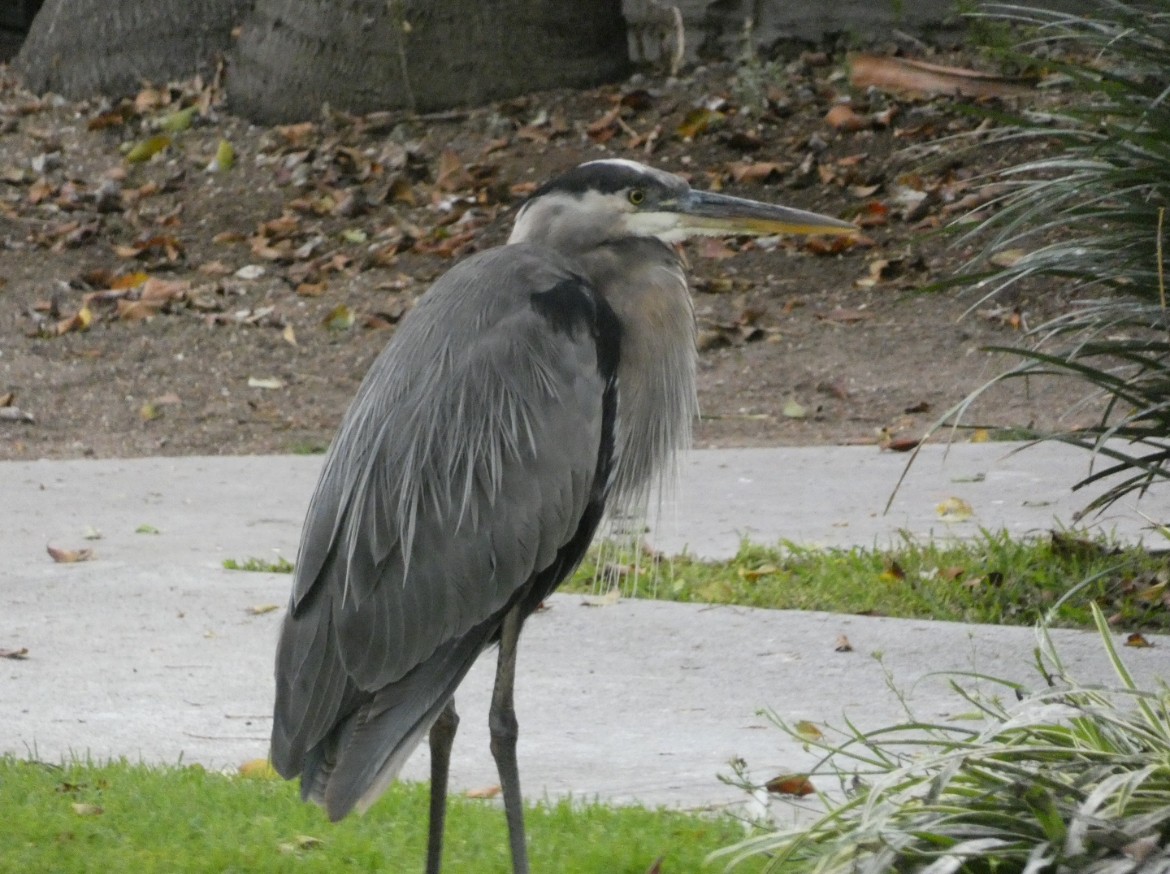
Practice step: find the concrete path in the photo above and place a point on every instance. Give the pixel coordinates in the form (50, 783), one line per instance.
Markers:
(152, 650)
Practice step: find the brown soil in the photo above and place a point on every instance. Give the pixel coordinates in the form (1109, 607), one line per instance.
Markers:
(242, 342)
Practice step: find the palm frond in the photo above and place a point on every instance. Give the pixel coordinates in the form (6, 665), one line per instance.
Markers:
(1069, 778)
(1090, 215)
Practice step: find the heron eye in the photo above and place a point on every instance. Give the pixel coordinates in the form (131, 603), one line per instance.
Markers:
(637, 195)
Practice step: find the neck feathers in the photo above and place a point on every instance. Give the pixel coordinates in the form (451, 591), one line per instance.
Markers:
(657, 401)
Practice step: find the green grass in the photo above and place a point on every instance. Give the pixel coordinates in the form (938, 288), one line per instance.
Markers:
(124, 817)
(309, 447)
(993, 579)
(261, 565)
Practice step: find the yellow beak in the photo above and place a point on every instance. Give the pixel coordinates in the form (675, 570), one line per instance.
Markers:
(704, 212)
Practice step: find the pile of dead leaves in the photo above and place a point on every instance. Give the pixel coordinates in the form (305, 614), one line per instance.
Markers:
(355, 193)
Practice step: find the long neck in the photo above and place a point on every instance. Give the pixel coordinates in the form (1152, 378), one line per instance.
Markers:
(657, 402)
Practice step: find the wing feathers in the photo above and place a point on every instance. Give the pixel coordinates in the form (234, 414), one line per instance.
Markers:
(465, 465)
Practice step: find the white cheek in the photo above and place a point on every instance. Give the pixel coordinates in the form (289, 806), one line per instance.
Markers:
(523, 226)
(663, 225)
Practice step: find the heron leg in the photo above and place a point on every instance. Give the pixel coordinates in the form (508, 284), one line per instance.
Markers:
(504, 732)
(442, 737)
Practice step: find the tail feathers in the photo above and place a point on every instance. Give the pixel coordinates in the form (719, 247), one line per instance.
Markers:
(354, 765)
(312, 688)
(365, 751)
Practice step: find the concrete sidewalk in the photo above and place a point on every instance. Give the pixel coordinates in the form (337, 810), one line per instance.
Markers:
(152, 650)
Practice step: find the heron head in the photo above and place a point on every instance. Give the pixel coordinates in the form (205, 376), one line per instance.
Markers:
(615, 198)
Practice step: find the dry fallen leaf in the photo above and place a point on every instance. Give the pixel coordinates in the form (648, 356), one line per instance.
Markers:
(842, 117)
(83, 809)
(842, 644)
(873, 214)
(1007, 257)
(148, 148)
(831, 245)
(905, 76)
(301, 842)
(808, 730)
(793, 410)
(1068, 545)
(451, 174)
(297, 135)
(167, 246)
(759, 171)
(261, 609)
(791, 784)
(877, 270)
(1141, 849)
(954, 510)
(15, 654)
(179, 120)
(258, 769)
(600, 130)
(137, 310)
(613, 596)
(127, 280)
(106, 120)
(340, 318)
(225, 158)
(162, 291)
(377, 322)
(900, 444)
(699, 121)
(1152, 594)
(151, 98)
(250, 271)
(69, 556)
(79, 322)
(483, 792)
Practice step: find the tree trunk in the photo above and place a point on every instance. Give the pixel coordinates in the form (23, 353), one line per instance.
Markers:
(17, 14)
(362, 55)
(79, 48)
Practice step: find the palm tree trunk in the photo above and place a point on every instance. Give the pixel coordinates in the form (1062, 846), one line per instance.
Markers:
(78, 48)
(361, 55)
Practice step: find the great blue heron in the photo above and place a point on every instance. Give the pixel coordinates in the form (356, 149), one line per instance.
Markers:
(533, 385)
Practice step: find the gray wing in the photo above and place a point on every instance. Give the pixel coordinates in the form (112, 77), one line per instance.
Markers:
(463, 467)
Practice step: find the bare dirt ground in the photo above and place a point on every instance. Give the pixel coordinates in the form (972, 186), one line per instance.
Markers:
(151, 305)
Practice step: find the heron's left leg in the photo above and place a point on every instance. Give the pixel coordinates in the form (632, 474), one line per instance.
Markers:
(504, 732)
(442, 737)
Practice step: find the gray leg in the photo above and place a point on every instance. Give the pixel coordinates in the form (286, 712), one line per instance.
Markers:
(442, 737)
(504, 731)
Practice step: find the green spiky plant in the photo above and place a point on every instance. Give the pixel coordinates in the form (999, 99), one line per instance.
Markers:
(1091, 214)
(1071, 778)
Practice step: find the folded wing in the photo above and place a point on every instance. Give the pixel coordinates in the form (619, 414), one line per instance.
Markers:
(469, 474)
